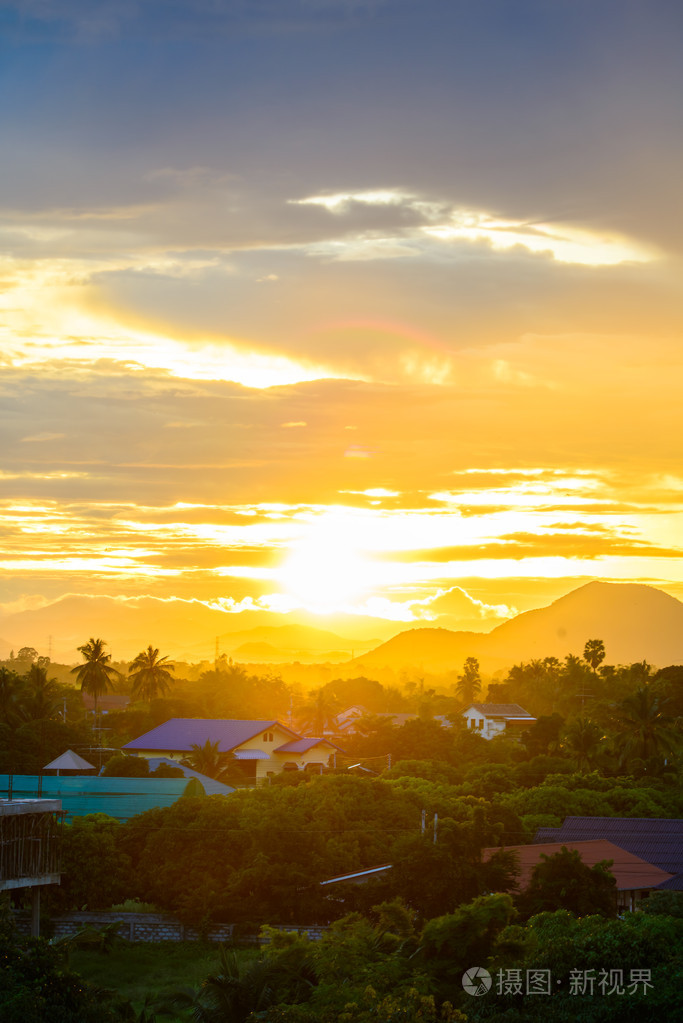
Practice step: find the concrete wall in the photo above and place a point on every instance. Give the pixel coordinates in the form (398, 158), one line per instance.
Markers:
(154, 927)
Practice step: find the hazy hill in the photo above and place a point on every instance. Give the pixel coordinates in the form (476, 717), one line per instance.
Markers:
(635, 622)
(186, 630)
(436, 650)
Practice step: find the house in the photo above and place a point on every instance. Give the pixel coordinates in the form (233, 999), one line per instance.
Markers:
(261, 748)
(492, 719)
(657, 840)
(635, 878)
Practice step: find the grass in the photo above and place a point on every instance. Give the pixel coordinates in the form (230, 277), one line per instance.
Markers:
(156, 971)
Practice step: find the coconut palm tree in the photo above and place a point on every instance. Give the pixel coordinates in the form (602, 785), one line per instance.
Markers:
(582, 738)
(646, 728)
(42, 696)
(96, 675)
(11, 691)
(150, 675)
(469, 683)
(320, 712)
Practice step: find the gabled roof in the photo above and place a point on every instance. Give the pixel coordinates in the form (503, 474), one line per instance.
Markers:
(630, 872)
(181, 734)
(501, 710)
(303, 745)
(69, 761)
(658, 840)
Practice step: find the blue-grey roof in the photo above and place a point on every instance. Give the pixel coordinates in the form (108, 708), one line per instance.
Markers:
(657, 840)
(181, 734)
(674, 884)
(210, 785)
(82, 794)
(303, 745)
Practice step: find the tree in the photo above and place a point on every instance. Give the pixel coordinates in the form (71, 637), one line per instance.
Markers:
(594, 653)
(11, 689)
(646, 728)
(208, 760)
(42, 697)
(582, 739)
(321, 712)
(469, 683)
(563, 881)
(150, 675)
(96, 675)
(27, 653)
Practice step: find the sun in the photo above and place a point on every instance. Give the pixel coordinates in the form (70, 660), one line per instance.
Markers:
(325, 573)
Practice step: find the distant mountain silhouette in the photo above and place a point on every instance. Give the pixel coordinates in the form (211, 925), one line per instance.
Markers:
(634, 621)
(186, 630)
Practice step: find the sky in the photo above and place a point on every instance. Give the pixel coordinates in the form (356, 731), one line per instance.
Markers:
(368, 310)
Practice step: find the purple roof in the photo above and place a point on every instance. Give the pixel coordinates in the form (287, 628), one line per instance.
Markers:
(303, 745)
(180, 734)
(657, 840)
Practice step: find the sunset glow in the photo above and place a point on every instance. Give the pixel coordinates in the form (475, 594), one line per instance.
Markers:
(396, 346)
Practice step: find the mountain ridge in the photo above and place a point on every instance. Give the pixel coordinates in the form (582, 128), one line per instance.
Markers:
(635, 621)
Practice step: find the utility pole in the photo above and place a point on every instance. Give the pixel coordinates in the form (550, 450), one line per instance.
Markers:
(424, 821)
(436, 825)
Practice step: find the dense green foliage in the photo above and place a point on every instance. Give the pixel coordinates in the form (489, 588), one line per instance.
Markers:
(36, 985)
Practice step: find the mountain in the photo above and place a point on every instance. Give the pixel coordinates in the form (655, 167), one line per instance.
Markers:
(428, 648)
(634, 621)
(184, 629)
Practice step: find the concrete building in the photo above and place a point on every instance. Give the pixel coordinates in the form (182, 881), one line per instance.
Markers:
(30, 847)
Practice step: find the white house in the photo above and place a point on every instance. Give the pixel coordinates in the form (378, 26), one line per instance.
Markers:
(491, 719)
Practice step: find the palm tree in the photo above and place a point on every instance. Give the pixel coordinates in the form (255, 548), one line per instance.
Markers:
(646, 729)
(582, 738)
(208, 760)
(96, 675)
(239, 989)
(469, 683)
(594, 653)
(150, 675)
(11, 691)
(42, 697)
(320, 712)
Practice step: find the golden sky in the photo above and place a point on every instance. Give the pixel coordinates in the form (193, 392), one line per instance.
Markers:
(370, 310)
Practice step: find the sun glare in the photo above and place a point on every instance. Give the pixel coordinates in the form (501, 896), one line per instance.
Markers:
(325, 574)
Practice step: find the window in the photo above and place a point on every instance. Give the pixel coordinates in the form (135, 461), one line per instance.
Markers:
(267, 736)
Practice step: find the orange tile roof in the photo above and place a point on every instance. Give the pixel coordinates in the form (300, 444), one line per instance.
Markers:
(630, 872)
